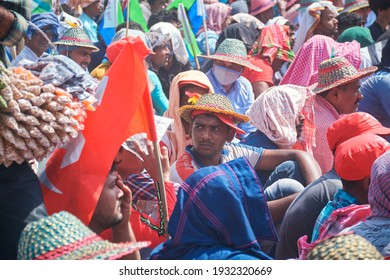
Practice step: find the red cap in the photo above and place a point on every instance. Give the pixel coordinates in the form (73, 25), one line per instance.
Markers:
(354, 157)
(352, 125)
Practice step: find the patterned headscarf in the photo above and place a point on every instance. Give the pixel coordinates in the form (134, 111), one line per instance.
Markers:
(379, 190)
(304, 68)
(178, 46)
(203, 229)
(275, 113)
(216, 15)
(273, 43)
(178, 136)
(43, 20)
(309, 21)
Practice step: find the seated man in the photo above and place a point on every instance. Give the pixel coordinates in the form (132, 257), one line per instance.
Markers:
(353, 161)
(301, 215)
(35, 42)
(337, 92)
(230, 59)
(213, 124)
(318, 19)
(202, 229)
(376, 228)
(76, 45)
(69, 239)
(382, 23)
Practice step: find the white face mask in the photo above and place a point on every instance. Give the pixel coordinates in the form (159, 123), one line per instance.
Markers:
(225, 76)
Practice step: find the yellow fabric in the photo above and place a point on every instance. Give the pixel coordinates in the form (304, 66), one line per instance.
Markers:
(101, 70)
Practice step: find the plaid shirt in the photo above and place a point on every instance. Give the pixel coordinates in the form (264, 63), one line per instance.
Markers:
(22, 11)
(341, 199)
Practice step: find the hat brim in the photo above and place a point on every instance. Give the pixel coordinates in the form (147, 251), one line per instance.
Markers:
(233, 59)
(94, 49)
(356, 7)
(105, 250)
(361, 74)
(383, 131)
(186, 112)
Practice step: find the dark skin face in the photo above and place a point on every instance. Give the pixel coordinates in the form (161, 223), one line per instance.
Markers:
(108, 211)
(209, 135)
(38, 44)
(328, 25)
(345, 98)
(162, 56)
(82, 56)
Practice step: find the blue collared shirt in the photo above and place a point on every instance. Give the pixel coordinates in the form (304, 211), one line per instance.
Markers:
(240, 95)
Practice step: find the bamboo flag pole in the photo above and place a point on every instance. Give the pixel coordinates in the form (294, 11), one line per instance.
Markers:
(182, 15)
(201, 12)
(160, 186)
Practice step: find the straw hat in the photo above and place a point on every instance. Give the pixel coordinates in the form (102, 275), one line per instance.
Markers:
(354, 5)
(76, 37)
(345, 247)
(234, 51)
(62, 236)
(338, 71)
(215, 104)
(259, 6)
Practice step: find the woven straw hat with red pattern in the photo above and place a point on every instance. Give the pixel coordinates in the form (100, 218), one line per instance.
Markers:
(76, 37)
(336, 72)
(62, 236)
(216, 104)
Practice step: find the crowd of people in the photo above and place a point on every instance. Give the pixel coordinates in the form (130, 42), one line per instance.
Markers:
(277, 146)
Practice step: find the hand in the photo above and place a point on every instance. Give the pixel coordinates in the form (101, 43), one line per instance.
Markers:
(126, 198)
(150, 160)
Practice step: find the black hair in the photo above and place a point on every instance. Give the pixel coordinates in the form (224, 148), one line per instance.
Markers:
(350, 184)
(347, 20)
(377, 5)
(132, 25)
(163, 16)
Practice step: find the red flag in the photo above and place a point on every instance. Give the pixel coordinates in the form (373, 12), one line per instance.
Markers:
(75, 174)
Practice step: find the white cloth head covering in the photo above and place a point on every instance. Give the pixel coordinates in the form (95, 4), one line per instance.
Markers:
(275, 113)
(178, 46)
(310, 17)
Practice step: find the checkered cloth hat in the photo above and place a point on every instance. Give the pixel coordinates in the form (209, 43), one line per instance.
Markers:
(76, 37)
(234, 51)
(62, 236)
(336, 72)
(345, 247)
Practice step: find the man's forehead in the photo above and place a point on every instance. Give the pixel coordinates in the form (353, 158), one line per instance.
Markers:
(207, 118)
